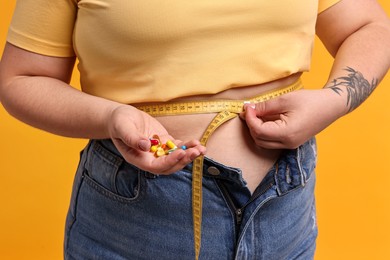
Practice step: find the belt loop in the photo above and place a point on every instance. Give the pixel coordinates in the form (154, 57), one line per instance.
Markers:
(301, 170)
(87, 151)
(276, 179)
(85, 155)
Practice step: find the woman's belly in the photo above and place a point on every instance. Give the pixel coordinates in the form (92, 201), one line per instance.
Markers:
(231, 144)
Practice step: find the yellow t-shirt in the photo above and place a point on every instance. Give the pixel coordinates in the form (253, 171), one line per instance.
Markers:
(152, 50)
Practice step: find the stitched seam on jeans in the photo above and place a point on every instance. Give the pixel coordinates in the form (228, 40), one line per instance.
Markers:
(74, 217)
(228, 206)
(110, 195)
(106, 155)
(247, 224)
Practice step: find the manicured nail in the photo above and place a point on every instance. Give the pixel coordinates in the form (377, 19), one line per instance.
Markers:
(144, 145)
(253, 106)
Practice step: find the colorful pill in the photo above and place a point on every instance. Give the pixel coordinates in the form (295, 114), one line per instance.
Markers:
(160, 152)
(170, 144)
(154, 142)
(160, 149)
(171, 150)
(153, 148)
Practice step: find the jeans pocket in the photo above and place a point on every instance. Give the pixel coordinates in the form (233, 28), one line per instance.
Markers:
(110, 174)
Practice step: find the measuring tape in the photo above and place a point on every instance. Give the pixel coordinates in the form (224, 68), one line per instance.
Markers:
(226, 109)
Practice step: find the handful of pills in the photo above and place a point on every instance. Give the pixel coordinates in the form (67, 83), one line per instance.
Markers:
(159, 149)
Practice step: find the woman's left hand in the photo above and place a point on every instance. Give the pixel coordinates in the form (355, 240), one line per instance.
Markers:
(290, 120)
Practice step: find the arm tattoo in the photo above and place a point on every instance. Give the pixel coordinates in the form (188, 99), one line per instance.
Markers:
(358, 88)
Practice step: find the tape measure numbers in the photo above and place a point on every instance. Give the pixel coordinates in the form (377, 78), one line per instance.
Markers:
(227, 110)
(197, 174)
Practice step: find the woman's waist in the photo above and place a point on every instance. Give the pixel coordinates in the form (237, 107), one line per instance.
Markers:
(230, 144)
(232, 100)
(247, 92)
(184, 120)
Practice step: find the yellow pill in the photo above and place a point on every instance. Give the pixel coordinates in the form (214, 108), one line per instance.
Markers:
(160, 152)
(170, 144)
(153, 148)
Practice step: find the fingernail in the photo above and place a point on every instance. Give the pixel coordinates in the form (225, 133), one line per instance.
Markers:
(180, 155)
(144, 145)
(194, 156)
(253, 106)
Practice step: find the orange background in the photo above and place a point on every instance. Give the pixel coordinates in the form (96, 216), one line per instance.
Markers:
(353, 195)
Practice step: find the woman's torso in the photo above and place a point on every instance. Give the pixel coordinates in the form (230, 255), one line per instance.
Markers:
(154, 52)
(231, 144)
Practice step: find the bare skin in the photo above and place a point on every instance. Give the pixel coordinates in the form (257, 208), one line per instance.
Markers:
(231, 143)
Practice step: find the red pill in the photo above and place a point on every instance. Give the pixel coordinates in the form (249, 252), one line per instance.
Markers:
(154, 142)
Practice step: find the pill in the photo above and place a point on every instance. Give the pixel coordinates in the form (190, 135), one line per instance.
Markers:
(160, 152)
(170, 144)
(171, 150)
(184, 147)
(153, 148)
(154, 142)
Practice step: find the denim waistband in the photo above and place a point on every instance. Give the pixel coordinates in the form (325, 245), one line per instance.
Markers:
(291, 170)
(211, 168)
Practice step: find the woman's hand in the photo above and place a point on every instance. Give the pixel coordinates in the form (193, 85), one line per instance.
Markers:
(130, 130)
(288, 121)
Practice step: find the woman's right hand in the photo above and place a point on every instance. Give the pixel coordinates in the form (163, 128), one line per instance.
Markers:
(36, 91)
(130, 130)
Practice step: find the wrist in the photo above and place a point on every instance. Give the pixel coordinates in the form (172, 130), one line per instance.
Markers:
(109, 114)
(116, 115)
(336, 101)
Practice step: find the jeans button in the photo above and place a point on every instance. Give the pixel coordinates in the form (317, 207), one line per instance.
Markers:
(213, 171)
(150, 175)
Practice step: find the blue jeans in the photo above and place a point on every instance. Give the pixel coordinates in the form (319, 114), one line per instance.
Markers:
(118, 211)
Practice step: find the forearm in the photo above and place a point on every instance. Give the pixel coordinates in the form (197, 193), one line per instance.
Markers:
(52, 105)
(361, 62)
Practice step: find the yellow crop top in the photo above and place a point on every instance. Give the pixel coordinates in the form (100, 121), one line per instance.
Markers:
(152, 50)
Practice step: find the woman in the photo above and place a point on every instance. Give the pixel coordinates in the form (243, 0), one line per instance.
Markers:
(258, 172)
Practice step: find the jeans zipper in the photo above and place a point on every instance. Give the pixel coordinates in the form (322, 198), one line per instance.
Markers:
(238, 211)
